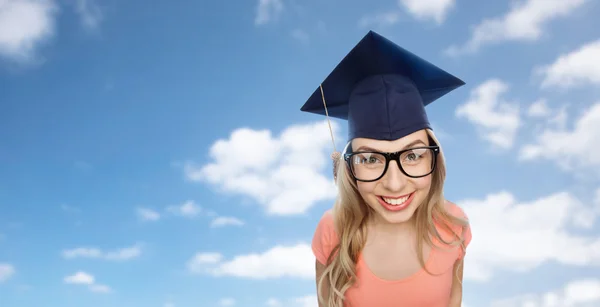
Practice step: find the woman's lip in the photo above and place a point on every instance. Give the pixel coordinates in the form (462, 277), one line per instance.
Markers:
(396, 197)
(394, 208)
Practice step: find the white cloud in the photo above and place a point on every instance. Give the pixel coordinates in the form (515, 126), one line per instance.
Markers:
(267, 10)
(201, 259)
(187, 209)
(579, 67)
(24, 26)
(497, 120)
(539, 109)
(125, 253)
(227, 302)
(555, 118)
(100, 288)
(6, 271)
(537, 232)
(301, 36)
(558, 118)
(569, 149)
(80, 278)
(295, 261)
(84, 278)
(282, 173)
(597, 200)
(380, 20)
(525, 21)
(146, 214)
(424, 10)
(305, 301)
(121, 254)
(435, 10)
(577, 293)
(89, 13)
(222, 221)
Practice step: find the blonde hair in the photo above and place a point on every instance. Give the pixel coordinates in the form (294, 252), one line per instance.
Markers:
(350, 214)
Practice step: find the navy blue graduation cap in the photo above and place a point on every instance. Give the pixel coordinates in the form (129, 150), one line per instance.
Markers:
(381, 89)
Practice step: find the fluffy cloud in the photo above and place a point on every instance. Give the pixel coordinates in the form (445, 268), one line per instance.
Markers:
(537, 231)
(301, 36)
(497, 120)
(89, 13)
(86, 279)
(380, 20)
(304, 301)
(435, 10)
(267, 10)
(424, 10)
(80, 278)
(525, 21)
(597, 199)
(284, 174)
(6, 271)
(24, 25)
(577, 293)
(222, 221)
(579, 67)
(307, 301)
(569, 148)
(539, 109)
(295, 261)
(121, 254)
(227, 302)
(146, 214)
(187, 209)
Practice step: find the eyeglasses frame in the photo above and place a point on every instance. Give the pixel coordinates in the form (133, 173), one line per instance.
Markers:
(392, 156)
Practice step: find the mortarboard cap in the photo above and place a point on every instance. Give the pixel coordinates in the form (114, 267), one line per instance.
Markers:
(381, 89)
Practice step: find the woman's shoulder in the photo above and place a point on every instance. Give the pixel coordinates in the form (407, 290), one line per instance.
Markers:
(460, 226)
(454, 210)
(325, 237)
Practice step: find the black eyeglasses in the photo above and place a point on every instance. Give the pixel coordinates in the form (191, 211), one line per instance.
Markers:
(414, 162)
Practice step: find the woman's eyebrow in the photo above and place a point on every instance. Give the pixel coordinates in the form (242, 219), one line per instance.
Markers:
(413, 143)
(366, 148)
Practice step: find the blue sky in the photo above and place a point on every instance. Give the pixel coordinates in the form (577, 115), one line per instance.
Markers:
(155, 154)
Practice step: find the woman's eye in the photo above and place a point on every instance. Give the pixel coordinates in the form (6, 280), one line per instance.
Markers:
(369, 160)
(414, 155)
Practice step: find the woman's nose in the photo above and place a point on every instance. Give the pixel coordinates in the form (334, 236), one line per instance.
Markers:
(394, 180)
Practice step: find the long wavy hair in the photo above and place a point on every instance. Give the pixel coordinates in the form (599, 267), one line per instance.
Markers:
(350, 214)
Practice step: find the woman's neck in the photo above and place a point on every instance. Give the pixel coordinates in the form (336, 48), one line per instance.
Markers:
(379, 224)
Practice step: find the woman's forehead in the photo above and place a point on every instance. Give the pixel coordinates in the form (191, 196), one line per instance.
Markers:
(390, 146)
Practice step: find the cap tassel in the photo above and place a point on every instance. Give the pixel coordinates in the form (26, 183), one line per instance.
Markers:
(336, 155)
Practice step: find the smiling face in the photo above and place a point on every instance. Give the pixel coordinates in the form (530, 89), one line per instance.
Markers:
(395, 196)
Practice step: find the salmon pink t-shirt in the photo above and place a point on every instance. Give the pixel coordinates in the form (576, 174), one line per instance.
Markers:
(419, 290)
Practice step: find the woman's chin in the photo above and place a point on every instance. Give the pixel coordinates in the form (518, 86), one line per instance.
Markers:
(397, 217)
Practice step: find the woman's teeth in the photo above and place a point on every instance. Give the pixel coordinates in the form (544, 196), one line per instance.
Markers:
(395, 201)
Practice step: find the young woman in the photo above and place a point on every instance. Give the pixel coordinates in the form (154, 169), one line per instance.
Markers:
(391, 238)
